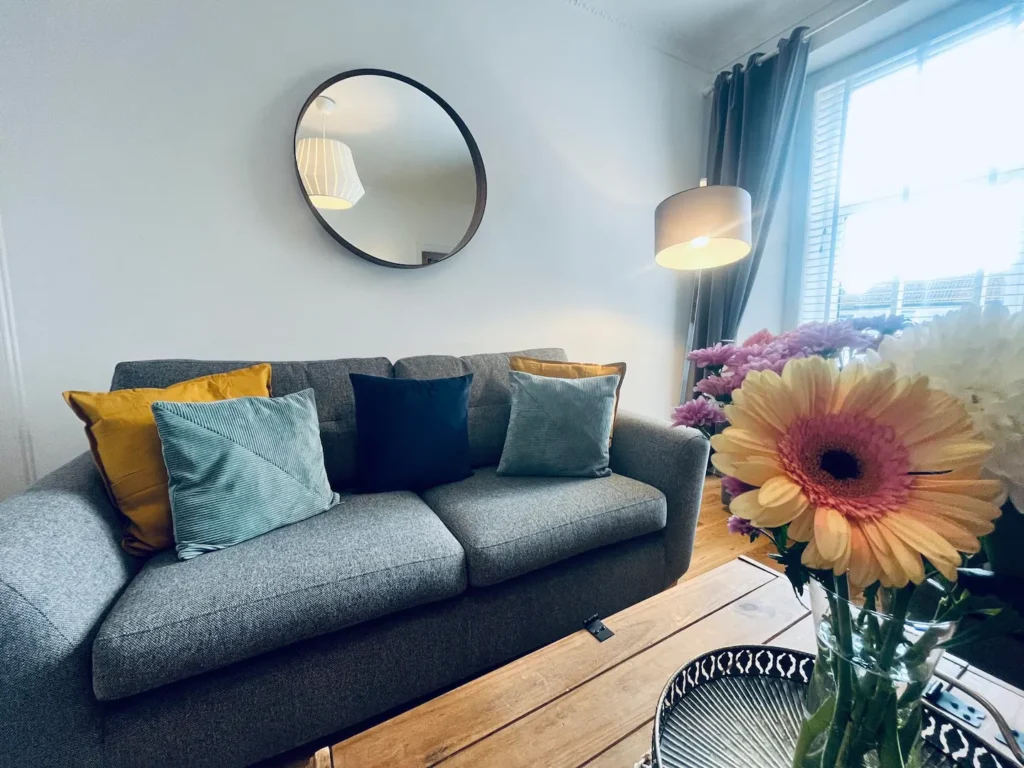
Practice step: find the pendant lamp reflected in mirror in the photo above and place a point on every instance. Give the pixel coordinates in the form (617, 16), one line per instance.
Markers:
(326, 167)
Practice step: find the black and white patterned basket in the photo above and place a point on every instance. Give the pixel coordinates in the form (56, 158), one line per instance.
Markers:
(743, 706)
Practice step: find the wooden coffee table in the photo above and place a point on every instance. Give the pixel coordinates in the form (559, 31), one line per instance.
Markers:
(581, 702)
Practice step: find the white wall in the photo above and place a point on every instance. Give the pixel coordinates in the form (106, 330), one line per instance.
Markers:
(140, 222)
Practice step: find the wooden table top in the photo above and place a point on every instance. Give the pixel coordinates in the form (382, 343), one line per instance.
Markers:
(580, 702)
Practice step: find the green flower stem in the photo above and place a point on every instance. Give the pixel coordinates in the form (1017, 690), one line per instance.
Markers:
(876, 687)
(918, 652)
(843, 625)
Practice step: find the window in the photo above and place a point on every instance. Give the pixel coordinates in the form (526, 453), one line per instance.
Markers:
(916, 191)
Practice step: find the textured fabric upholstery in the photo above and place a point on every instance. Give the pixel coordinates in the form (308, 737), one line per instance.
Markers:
(370, 556)
(512, 525)
(489, 398)
(412, 434)
(126, 446)
(570, 370)
(242, 470)
(61, 568)
(335, 403)
(61, 571)
(559, 427)
(674, 460)
(308, 691)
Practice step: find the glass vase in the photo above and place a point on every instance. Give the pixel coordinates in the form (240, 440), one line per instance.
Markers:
(863, 705)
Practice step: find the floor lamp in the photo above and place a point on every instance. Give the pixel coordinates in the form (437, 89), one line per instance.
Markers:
(702, 228)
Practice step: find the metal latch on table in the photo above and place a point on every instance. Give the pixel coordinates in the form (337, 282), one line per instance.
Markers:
(954, 705)
(1017, 735)
(597, 628)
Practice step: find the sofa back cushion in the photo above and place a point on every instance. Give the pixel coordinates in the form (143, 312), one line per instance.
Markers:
(490, 397)
(335, 403)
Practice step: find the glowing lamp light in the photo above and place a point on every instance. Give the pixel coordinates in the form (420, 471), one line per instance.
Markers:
(702, 228)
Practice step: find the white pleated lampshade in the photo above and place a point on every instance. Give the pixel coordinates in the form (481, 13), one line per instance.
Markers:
(328, 173)
(702, 228)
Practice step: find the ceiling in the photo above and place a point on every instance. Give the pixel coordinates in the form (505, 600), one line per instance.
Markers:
(711, 34)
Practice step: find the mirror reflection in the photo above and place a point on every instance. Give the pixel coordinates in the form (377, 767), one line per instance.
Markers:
(388, 170)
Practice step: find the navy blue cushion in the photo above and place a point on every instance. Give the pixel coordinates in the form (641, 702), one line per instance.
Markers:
(411, 434)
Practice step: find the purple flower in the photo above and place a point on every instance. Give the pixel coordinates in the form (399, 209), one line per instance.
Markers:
(767, 357)
(775, 350)
(884, 324)
(734, 486)
(764, 336)
(715, 356)
(827, 338)
(716, 386)
(701, 412)
(742, 526)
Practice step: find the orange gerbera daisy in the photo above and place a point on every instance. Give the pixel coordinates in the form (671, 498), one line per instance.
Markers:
(874, 471)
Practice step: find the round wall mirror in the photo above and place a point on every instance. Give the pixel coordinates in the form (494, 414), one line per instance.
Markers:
(389, 169)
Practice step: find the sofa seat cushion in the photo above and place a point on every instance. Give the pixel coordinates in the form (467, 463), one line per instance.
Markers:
(369, 556)
(512, 525)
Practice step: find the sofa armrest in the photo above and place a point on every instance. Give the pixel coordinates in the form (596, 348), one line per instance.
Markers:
(674, 460)
(61, 568)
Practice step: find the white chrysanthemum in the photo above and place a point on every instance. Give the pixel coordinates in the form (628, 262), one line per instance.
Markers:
(976, 355)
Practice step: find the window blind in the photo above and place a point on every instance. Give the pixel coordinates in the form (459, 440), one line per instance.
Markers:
(916, 190)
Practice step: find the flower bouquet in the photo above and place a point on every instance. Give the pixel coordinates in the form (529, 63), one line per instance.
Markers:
(726, 366)
(870, 484)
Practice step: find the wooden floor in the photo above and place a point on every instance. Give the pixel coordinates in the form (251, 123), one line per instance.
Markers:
(713, 546)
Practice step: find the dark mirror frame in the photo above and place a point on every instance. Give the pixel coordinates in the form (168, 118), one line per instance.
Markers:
(474, 152)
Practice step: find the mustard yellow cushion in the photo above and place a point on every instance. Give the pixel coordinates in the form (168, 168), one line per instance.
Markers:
(559, 370)
(126, 446)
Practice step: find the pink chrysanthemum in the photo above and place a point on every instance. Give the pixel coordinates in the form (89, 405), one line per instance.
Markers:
(775, 350)
(716, 386)
(770, 357)
(715, 356)
(701, 412)
(764, 336)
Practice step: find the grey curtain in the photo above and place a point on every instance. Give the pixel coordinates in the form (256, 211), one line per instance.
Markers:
(754, 113)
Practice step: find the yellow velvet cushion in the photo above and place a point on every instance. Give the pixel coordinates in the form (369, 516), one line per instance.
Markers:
(126, 446)
(559, 370)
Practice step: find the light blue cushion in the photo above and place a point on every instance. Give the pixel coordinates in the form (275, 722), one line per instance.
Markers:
(240, 468)
(559, 427)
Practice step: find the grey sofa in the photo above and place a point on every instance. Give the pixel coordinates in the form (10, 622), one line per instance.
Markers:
(241, 654)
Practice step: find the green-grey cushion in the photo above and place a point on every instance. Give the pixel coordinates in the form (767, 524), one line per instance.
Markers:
(240, 468)
(559, 427)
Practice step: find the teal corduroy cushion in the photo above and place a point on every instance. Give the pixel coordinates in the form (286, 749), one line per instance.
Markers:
(559, 427)
(242, 467)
